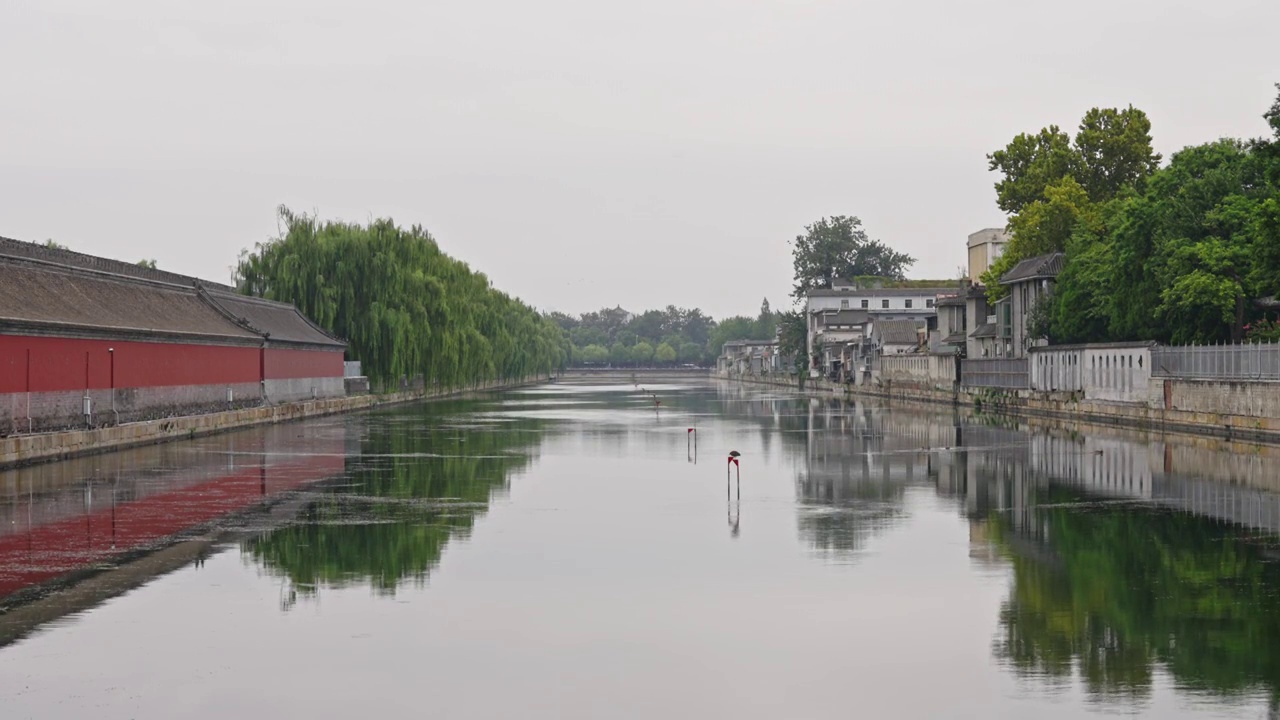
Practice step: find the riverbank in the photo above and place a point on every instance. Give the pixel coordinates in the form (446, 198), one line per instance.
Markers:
(1247, 412)
(20, 450)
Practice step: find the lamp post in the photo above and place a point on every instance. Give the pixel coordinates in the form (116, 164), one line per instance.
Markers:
(111, 353)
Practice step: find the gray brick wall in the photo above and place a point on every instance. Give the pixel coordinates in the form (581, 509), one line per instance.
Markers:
(293, 389)
(62, 410)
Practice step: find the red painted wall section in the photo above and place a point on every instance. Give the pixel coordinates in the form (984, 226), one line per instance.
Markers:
(288, 364)
(58, 364)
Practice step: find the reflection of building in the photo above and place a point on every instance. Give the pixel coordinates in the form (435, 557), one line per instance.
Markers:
(81, 514)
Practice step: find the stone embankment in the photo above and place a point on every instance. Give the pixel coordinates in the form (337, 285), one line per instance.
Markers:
(1248, 411)
(18, 450)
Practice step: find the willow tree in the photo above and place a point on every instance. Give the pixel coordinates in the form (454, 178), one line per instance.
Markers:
(404, 306)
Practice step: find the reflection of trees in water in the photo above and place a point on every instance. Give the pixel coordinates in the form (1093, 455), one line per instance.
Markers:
(418, 485)
(1113, 591)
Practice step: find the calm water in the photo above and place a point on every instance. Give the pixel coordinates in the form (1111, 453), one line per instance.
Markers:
(564, 552)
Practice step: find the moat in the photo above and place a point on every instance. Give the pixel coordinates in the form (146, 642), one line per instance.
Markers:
(573, 550)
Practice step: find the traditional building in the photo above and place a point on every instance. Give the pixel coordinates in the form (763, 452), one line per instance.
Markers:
(87, 341)
(1029, 282)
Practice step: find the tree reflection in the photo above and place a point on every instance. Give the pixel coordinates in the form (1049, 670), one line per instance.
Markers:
(415, 487)
(1119, 590)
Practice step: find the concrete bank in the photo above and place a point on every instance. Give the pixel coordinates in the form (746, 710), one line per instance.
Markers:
(1247, 412)
(19, 450)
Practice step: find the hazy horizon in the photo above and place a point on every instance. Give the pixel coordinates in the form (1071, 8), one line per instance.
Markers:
(580, 156)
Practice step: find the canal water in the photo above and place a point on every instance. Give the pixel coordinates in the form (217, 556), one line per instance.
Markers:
(575, 551)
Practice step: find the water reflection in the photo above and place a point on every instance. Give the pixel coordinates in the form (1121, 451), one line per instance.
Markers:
(1133, 557)
(1104, 563)
(68, 522)
(421, 479)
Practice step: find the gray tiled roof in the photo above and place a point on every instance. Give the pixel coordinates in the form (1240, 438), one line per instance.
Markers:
(53, 290)
(280, 322)
(955, 338)
(1040, 266)
(70, 258)
(884, 292)
(899, 332)
(986, 330)
(845, 317)
(70, 299)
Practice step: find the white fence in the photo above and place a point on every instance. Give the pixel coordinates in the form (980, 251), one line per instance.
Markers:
(1113, 371)
(1005, 373)
(351, 369)
(932, 370)
(1253, 361)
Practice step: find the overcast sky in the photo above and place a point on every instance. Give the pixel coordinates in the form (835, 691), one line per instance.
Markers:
(583, 153)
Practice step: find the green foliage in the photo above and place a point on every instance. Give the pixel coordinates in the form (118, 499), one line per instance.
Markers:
(690, 352)
(49, 243)
(1044, 226)
(793, 338)
(1029, 164)
(151, 264)
(838, 247)
(595, 354)
(1272, 115)
(677, 327)
(1050, 184)
(1115, 152)
(1263, 331)
(642, 353)
(1198, 244)
(404, 306)
(664, 354)
(619, 354)
(389, 519)
(1080, 309)
(1118, 593)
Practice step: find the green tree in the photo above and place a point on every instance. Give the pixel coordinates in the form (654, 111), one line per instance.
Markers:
(793, 340)
(151, 264)
(405, 307)
(1044, 226)
(619, 354)
(664, 354)
(838, 247)
(690, 352)
(1029, 164)
(642, 353)
(1049, 184)
(595, 354)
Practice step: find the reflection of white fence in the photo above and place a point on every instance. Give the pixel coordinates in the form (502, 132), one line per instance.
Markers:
(1254, 361)
(1005, 373)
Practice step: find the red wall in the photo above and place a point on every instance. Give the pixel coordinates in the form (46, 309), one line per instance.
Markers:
(59, 364)
(287, 364)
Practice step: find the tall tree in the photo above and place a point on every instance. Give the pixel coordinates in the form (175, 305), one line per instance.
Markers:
(1115, 151)
(838, 247)
(404, 306)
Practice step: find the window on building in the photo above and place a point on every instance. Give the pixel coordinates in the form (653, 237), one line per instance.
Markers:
(864, 304)
(884, 304)
(928, 302)
(908, 301)
(844, 304)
